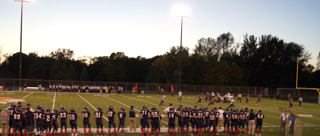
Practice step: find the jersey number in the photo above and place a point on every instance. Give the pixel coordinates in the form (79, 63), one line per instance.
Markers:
(16, 116)
(63, 115)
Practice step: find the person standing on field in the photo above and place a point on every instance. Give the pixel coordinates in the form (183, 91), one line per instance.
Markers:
(300, 100)
(132, 118)
(252, 116)
(5, 122)
(239, 97)
(283, 118)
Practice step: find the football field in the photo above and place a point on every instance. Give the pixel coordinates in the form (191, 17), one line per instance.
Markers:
(269, 107)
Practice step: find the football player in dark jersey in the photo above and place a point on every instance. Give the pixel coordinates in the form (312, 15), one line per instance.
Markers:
(39, 116)
(179, 113)
(11, 111)
(17, 116)
(211, 102)
(112, 119)
(155, 118)
(48, 121)
(246, 112)
(55, 121)
(200, 121)
(73, 116)
(212, 122)
(86, 120)
(200, 98)
(243, 120)
(98, 115)
(144, 116)
(23, 121)
(206, 113)
(63, 120)
(226, 124)
(122, 119)
(259, 97)
(186, 115)
(194, 123)
(259, 120)
(234, 122)
(247, 99)
(171, 115)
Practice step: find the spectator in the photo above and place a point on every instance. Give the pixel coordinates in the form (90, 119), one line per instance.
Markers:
(5, 122)
(167, 109)
(300, 100)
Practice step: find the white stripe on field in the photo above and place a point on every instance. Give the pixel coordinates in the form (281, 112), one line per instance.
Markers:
(91, 105)
(54, 101)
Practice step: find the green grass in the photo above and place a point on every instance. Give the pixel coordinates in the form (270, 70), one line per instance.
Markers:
(269, 107)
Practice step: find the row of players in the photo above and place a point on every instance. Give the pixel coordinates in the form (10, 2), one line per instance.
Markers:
(75, 88)
(200, 118)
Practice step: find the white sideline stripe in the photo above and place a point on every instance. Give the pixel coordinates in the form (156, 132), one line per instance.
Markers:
(91, 105)
(129, 107)
(21, 98)
(54, 101)
(146, 102)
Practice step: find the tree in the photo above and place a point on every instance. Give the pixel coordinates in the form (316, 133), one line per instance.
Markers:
(72, 72)
(54, 70)
(62, 54)
(5, 71)
(37, 70)
(318, 63)
(84, 75)
(225, 41)
(208, 49)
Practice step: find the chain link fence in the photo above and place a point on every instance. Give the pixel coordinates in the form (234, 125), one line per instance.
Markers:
(307, 95)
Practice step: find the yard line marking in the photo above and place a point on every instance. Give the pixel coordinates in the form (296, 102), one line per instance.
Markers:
(21, 98)
(129, 106)
(54, 101)
(91, 105)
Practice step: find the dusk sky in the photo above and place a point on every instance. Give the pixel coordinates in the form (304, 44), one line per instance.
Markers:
(148, 27)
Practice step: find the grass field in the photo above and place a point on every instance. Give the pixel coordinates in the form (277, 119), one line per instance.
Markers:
(270, 108)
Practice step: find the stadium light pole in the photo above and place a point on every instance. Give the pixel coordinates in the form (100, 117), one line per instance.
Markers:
(181, 12)
(20, 63)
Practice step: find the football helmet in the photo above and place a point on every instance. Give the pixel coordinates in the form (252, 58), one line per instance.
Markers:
(122, 108)
(246, 108)
(85, 107)
(63, 108)
(73, 110)
(55, 110)
(171, 109)
(39, 107)
(241, 110)
(99, 108)
(111, 107)
(200, 109)
(260, 110)
(48, 110)
(144, 107)
(215, 108)
(13, 105)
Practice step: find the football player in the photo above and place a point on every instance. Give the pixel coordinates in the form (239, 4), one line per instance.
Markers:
(291, 103)
(17, 116)
(155, 117)
(39, 116)
(111, 116)
(86, 120)
(234, 122)
(122, 119)
(23, 121)
(180, 96)
(243, 120)
(226, 123)
(186, 115)
(200, 98)
(11, 111)
(200, 121)
(212, 122)
(144, 116)
(73, 116)
(179, 113)
(162, 100)
(211, 102)
(206, 113)
(55, 121)
(259, 120)
(48, 120)
(259, 97)
(63, 120)
(217, 115)
(247, 99)
(171, 115)
(98, 115)
(194, 123)
(231, 103)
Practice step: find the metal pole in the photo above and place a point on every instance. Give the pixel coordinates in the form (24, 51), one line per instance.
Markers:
(20, 64)
(180, 53)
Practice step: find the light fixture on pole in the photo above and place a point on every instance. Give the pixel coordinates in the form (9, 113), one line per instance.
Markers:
(20, 63)
(181, 12)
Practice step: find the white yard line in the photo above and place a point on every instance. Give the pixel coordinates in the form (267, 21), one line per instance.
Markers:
(21, 98)
(91, 105)
(129, 107)
(54, 101)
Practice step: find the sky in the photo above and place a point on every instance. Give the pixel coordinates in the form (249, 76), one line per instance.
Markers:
(148, 27)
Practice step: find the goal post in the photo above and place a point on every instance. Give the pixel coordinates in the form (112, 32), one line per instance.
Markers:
(305, 88)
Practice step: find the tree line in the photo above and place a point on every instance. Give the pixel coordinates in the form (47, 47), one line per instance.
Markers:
(265, 61)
